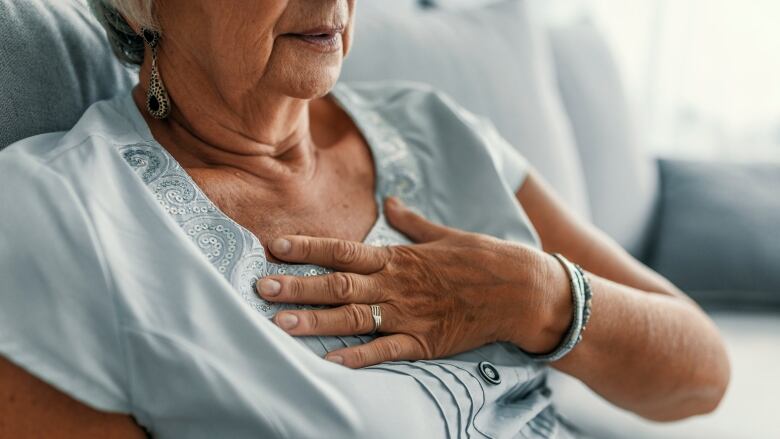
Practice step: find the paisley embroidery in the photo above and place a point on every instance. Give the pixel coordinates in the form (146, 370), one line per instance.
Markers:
(238, 254)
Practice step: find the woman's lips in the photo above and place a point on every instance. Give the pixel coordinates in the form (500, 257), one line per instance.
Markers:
(325, 40)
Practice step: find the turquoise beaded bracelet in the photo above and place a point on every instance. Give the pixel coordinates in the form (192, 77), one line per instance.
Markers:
(581, 294)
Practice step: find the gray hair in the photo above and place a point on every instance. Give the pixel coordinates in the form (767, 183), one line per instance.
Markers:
(114, 15)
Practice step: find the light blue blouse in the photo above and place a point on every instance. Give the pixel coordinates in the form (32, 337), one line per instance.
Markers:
(124, 286)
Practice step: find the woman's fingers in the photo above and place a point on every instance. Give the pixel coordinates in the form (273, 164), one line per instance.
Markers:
(352, 319)
(390, 348)
(416, 227)
(333, 253)
(329, 289)
(349, 319)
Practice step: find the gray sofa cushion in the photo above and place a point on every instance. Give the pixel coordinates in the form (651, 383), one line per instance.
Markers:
(54, 62)
(621, 178)
(718, 231)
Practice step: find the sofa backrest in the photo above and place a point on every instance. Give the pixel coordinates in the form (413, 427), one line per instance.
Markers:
(621, 177)
(54, 62)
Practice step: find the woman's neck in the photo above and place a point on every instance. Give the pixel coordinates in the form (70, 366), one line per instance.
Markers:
(271, 141)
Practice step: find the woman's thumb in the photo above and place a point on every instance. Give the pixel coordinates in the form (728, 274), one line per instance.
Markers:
(411, 224)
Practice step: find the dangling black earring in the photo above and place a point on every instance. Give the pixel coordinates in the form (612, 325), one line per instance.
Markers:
(157, 102)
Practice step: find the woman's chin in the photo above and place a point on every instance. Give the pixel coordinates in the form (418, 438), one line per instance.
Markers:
(300, 72)
(311, 85)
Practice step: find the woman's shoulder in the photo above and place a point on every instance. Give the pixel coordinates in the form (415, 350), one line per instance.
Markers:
(49, 187)
(436, 126)
(103, 121)
(421, 109)
(55, 281)
(44, 183)
(67, 156)
(456, 159)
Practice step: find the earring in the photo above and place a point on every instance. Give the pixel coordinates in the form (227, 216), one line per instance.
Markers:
(157, 102)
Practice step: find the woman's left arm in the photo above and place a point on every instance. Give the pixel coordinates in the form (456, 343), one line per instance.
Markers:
(648, 348)
(651, 350)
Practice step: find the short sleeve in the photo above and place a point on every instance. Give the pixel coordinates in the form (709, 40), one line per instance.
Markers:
(511, 165)
(57, 315)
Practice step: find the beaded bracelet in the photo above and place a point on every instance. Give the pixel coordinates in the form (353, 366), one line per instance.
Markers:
(588, 298)
(581, 295)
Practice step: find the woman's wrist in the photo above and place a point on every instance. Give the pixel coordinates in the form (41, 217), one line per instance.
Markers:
(540, 328)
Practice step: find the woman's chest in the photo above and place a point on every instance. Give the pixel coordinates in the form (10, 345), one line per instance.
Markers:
(231, 243)
(337, 202)
(348, 211)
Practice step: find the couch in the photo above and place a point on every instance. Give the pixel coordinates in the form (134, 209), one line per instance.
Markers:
(555, 93)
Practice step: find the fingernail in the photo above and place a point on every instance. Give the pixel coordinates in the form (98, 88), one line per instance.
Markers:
(287, 321)
(270, 287)
(335, 359)
(281, 246)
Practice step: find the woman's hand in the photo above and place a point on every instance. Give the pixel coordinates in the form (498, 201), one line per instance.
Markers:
(450, 292)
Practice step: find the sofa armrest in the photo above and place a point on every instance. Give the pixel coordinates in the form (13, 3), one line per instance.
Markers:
(717, 231)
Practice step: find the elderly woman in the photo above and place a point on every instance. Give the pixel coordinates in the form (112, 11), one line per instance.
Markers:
(182, 259)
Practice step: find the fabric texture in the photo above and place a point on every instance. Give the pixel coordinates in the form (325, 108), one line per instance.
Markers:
(54, 63)
(118, 237)
(57, 319)
(621, 178)
(494, 61)
(717, 232)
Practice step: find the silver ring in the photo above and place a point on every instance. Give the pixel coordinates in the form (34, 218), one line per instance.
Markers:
(376, 314)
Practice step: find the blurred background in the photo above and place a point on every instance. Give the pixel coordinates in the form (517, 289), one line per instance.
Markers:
(702, 79)
(702, 74)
